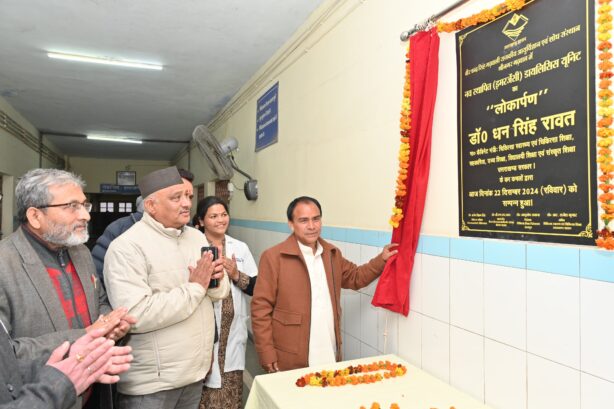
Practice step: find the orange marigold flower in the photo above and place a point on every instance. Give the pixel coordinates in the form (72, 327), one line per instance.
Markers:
(605, 93)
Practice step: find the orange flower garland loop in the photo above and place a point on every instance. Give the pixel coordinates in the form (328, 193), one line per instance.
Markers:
(353, 375)
(605, 236)
(483, 16)
(404, 150)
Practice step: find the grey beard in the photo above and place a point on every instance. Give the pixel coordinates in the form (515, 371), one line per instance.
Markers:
(60, 235)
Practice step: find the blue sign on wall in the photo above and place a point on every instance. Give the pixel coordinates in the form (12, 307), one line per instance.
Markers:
(266, 118)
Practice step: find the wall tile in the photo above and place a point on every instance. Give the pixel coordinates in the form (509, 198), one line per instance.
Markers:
(436, 287)
(351, 347)
(553, 317)
(467, 295)
(351, 251)
(505, 303)
(505, 253)
(467, 249)
(436, 246)
(370, 288)
(597, 265)
(367, 253)
(596, 329)
(467, 362)
(505, 373)
(368, 322)
(410, 338)
(436, 348)
(352, 313)
(371, 238)
(415, 287)
(596, 392)
(551, 385)
(389, 344)
(367, 351)
(554, 259)
(353, 235)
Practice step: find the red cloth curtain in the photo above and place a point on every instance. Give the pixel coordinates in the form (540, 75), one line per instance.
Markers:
(393, 288)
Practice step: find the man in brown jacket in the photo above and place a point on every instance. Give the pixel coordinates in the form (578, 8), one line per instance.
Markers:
(302, 278)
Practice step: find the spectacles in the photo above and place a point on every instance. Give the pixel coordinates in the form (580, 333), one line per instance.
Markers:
(74, 206)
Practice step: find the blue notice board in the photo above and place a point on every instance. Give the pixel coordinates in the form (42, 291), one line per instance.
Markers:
(267, 118)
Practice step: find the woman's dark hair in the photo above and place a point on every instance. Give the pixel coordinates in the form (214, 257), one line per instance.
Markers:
(301, 199)
(206, 203)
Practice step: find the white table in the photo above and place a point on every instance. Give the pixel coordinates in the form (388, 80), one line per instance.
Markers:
(415, 390)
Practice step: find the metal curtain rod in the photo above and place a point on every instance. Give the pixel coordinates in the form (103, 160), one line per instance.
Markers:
(425, 24)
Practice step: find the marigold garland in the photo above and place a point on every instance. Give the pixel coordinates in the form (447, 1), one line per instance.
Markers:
(352, 375)
(483, 16)
(404, 149)
(605, 236)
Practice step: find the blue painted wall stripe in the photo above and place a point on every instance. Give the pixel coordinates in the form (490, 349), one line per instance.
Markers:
(467, 249)
(505, 253)
(597, 265)
(573, 261)
(436, 246)
(554, 259)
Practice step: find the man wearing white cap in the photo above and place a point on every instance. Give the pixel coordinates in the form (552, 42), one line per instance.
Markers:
(157, 271)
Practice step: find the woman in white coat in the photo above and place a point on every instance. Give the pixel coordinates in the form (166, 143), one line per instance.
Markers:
(223, 387)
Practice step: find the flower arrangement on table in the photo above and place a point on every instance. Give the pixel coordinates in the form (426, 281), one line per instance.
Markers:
(376, 405)
(605, 133)
(353, 375)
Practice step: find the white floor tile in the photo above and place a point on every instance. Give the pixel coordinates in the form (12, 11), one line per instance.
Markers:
(467, 362)
(436, 287)
(552, 385)
(368, 321)
(553, 317)
(436, 348)
(467, 295)
(596, 329)
(596, 393)
(505, 305)
(410, 338)
(505, 376)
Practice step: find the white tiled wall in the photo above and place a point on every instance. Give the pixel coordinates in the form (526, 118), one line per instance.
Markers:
(511, 337)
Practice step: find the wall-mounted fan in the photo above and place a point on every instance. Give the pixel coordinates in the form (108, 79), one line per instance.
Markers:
(220, 160)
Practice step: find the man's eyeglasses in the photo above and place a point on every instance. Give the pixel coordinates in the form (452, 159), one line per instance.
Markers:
(74, 206)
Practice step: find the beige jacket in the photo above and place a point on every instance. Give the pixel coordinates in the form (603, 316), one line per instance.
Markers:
(146, 270)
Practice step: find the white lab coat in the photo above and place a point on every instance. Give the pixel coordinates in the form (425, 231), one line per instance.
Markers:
(235, 347)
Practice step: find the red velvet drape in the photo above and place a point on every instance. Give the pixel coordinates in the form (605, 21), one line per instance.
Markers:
(393, 288)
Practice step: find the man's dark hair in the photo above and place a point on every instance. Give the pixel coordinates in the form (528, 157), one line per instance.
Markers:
(186, 174)
(301, 199)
